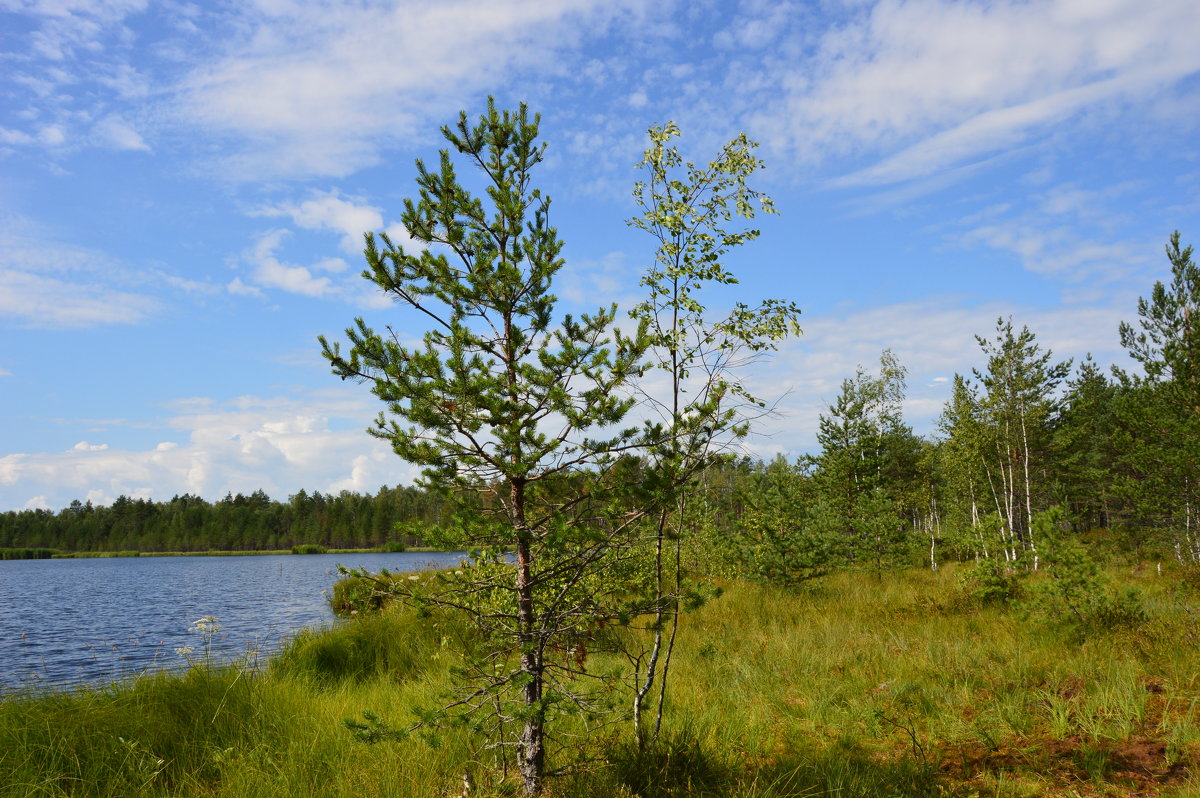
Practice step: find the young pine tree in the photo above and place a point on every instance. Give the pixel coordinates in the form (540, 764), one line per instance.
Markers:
(511, 410)
(1161, 410)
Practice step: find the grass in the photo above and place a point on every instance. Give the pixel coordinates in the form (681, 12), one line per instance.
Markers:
(857, 687)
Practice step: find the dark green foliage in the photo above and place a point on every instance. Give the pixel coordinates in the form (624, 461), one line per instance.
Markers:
(399, 516)
(1082, 596)
(993, 581)
(27, 554)
(785, 535)
(675, 766)
(1085, 448)
(513, 411)
(1160, 412)
(309, 548)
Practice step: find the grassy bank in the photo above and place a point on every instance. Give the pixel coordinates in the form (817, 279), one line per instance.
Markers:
(899, 687)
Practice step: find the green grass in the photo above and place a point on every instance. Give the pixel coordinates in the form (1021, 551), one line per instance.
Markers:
(857, 687)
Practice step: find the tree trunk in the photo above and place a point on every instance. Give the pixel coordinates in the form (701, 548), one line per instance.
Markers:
(531, 752)
(1028, 494)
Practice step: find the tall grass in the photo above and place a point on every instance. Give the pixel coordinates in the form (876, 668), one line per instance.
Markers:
(906, 686)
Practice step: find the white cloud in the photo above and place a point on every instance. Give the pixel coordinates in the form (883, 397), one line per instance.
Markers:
(115, 133)
(5, 372)
(941, 82)
(293, 279)
(36, 503)
(277, 444)
(1059, 252)
(270, 271)
(593, 283)
(236, 286)
(48, 283)
(39, 301)
(349, 216)
(14, 137)
(52, 135)
(320, 87)
(69, 26)
(932, 338)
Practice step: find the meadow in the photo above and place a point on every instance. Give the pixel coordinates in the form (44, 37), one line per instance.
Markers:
(912, 684)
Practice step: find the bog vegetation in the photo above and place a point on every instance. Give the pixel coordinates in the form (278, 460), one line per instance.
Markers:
(951, 683)
(983, 612)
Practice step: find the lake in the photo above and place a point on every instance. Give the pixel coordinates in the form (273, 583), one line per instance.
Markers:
(63, 622)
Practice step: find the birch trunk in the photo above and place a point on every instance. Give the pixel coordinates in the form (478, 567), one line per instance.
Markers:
(1028, 494)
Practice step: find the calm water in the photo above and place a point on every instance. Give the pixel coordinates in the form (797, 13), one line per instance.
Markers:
(68, 621)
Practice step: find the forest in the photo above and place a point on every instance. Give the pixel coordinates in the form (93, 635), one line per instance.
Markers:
(235, 523)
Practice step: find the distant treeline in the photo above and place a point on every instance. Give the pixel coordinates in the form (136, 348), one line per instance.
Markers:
(235, 523)
(26, 554)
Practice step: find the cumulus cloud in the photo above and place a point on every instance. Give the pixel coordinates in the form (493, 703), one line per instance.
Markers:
(271, 272)
(36, 503)
(316, 441)
(278, 444)
(933, 338)
(1058, 252)
(350, 217)
(14, 137)
(52, 135)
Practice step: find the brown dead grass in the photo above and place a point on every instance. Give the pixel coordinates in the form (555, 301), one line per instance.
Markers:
(1137, 766)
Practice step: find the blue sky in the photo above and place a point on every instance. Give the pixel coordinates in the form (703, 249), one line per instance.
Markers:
(183, 189)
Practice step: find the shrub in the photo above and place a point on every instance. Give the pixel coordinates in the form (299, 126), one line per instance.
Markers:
(993, 581)
(1091, 605)
(309, 548)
